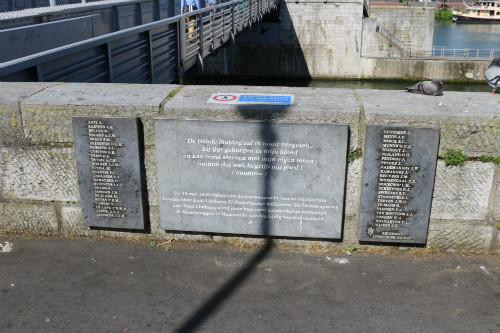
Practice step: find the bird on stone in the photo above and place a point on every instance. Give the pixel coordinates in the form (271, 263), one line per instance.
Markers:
(434, 88)
(492, 75)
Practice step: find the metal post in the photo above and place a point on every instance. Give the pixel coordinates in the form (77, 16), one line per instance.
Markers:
(181, 38)
(151, 60)
(200, 36)
(110, 63)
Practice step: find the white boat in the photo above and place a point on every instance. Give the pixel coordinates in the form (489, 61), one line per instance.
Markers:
(479, 12)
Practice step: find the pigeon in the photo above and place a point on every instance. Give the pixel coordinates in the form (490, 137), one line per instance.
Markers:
(492, 75)
(434, 88)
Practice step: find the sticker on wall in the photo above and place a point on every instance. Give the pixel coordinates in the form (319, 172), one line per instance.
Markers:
(236, 98)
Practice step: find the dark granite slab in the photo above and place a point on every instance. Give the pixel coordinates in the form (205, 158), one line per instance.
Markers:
(398, 180)
(109, 171)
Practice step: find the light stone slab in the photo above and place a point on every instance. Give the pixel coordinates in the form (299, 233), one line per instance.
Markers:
(462, 192)
(252, 177)
(39, 173)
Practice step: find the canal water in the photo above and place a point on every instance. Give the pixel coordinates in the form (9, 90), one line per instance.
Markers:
(446, 34)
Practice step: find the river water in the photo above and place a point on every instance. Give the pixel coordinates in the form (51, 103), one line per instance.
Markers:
(446, 34)
(466, 36)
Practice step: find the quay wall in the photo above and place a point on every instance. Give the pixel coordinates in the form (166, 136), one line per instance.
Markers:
(38, 180)
(326, 39)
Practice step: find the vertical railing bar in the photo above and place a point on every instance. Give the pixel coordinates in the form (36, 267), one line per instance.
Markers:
(200, 36)
(110, 62)
(150, 49)
(39, 73)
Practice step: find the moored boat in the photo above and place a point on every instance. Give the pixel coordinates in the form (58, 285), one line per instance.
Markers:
(479, 12)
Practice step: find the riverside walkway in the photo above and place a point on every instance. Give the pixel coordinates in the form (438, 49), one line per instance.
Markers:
(88, 285)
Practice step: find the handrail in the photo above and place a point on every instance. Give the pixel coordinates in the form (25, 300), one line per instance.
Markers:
(442, 52)
(163, 47)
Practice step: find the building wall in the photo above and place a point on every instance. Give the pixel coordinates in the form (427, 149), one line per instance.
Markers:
(39, 186)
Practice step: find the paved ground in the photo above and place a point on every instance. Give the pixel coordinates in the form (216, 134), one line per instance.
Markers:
(61, 285)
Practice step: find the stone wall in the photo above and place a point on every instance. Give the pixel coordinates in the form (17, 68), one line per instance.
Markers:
(409, 29)
(39, 186)
(326, 39)
(316, 38)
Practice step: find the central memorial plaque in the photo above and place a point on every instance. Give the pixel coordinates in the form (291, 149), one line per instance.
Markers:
(398, 180)
(251, 177)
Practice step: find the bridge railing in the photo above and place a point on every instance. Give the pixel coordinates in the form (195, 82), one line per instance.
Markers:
(157, 52)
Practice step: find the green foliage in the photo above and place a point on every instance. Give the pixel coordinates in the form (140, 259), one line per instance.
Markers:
(350, 248)
(152, 241)
(173, 93)
(486, 158)
(498, 226)
(443, 14)
(390, 44)
(454, 157)
(354, 154)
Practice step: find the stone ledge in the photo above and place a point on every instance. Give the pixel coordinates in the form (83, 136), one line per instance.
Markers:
(468, 121)
(47, 115)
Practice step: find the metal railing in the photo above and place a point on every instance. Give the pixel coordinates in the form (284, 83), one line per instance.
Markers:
(157, 52)
(441, 51)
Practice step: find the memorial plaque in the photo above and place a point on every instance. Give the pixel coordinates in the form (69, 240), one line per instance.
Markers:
(108, 161)
(251, 177)
(398, 180)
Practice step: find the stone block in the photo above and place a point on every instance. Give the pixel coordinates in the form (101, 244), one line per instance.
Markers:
(28, 218)
(47, 115)
(71, 221)
(468, 122)
(496, 198)
(310, 105)
(10, 116)
(353, 189)
(39, 173)
(460, 236)
(462, 193)
(151, 176)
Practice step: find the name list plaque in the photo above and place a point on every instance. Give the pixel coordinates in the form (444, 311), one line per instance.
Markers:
(398, 180)
(109, 171)
(251, 177)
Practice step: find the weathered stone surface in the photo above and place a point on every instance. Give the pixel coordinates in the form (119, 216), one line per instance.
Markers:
(71, 221)
(38, 218)
(310, 105)
(468, 122)
(353, 189)
(462, 193)
(259, 178)
(151, 176)
(461, 236)
(10, 116)
(47, 115)
(39, 173)
(496, 197)
(110, 171)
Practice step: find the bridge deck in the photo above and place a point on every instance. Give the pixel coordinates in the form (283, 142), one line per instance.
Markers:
(157, 52)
